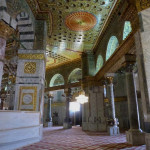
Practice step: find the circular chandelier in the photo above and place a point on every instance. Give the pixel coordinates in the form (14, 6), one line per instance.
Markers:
(82, 98)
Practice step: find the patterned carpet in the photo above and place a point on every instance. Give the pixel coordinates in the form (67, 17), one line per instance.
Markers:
(56, 138)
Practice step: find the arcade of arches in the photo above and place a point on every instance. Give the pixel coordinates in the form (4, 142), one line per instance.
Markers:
(51, 51)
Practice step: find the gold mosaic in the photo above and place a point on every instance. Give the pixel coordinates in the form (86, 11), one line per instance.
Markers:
(30, 67)
(66, 43)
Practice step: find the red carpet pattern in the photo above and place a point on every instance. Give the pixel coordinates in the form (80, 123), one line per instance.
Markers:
(56, 138)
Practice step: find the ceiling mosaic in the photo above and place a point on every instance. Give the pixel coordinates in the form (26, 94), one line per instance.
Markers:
(75, 27)
(80, 21)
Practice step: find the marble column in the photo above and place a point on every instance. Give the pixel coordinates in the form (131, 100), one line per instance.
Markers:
(67, 121)
(134, 135)
(2, 56)
(49, 113)
(112, 128)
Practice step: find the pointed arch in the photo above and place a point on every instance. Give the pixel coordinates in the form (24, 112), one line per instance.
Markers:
(112, 46)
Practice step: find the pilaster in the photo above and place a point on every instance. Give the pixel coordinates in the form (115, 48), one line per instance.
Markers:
(93, 112)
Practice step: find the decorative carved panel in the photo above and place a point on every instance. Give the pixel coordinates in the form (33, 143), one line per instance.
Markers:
(30, 67)
(28, 98)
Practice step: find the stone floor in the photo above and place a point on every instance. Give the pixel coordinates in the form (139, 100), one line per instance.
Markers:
(56, 138)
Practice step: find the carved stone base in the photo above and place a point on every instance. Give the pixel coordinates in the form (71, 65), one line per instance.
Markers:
(50, 124)
(135, 137)
(67, 125)
(87, 126)
(147, 141)
(113, 130)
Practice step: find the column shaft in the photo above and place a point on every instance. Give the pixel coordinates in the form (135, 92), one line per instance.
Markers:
(49, 116)
(67, 122)
(50, 109)
(111, 99)
(67, 110)
(113, 129)
(2, 55)
(132, 102)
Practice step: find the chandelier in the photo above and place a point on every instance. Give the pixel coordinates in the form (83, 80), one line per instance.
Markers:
(82, 98)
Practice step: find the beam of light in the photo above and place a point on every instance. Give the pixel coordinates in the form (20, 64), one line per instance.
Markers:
(74, 106)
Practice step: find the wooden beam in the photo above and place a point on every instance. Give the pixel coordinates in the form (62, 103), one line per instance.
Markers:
(77, 84)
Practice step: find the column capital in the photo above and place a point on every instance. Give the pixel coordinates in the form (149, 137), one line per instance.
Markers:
(67, 91)
(50, 96)
(109, 77)
(129, 67)
(129, 63)
(6, 30)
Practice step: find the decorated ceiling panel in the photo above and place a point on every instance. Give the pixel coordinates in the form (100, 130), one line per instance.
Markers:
(76, 25)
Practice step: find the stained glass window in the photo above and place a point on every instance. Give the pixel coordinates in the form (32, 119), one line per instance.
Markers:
(112, 46)
(99, 63)
(57, 80)
(127, 29)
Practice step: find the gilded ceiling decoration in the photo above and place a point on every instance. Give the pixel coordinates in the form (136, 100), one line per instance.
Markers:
(80, 21)
(75, 26)
(142, 4)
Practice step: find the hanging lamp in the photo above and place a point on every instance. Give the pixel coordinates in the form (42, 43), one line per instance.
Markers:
(82, 98)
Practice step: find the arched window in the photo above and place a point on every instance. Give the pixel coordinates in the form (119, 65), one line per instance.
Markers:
(99, 63)
(127, 29)
(75, 76)
(112, 46)
(57, 80)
